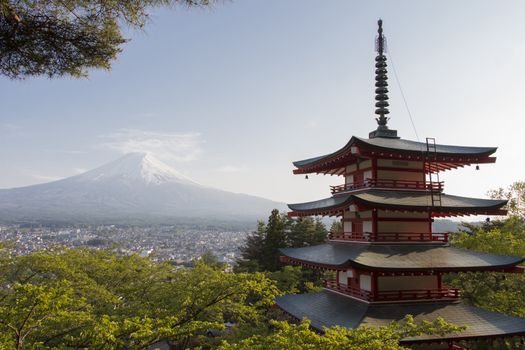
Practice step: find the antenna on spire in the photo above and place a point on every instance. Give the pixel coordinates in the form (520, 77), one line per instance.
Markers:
(380, 39)
(381, 88)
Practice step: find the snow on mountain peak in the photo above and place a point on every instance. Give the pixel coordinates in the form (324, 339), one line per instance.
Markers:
(137, 166)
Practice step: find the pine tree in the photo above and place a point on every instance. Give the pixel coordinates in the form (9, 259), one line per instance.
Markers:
(300, 231)
(251, 252)
(67, 38)
(319, 234)
(261, 251)
(275, 238)
(337, 227)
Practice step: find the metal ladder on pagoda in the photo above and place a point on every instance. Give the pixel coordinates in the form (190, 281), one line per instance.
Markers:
(435, 193)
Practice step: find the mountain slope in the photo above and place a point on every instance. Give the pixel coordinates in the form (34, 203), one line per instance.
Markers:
(135, 188)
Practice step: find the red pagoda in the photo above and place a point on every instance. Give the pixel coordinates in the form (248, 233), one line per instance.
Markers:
(387, 261)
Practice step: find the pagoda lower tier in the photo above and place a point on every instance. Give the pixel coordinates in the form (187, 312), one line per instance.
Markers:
(380, 273)
(328, 308)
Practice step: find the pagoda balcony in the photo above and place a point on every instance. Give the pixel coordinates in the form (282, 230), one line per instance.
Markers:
(348, 290)
(411, 185)
(415, 237)
(393, 295)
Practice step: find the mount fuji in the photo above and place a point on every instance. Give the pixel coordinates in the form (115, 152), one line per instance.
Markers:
(135, 189)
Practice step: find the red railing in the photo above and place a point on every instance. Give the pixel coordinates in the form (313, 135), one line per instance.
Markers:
(391, 236)
(397, 184)
(393, 295)
(345, 289)
(416, 294)
(347, 236)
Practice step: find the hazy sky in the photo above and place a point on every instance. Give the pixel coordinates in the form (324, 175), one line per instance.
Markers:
(230, 96)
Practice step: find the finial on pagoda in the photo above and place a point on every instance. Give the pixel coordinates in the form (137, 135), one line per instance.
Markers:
(381, 88)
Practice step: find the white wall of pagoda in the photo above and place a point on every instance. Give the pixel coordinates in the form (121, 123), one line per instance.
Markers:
(399, 221)
(387, 221)
(365, 282)
(385, 169)
(389, 169)
(407, 282)
(352, 213)
(343, 276)
(401, 214)
(400, 164)
(402, 227)
(400, 175)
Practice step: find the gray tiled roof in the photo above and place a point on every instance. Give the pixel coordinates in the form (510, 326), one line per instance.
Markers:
(325, 309)
(404, 146)
(408, 145)
(399, 257)
(400, 200)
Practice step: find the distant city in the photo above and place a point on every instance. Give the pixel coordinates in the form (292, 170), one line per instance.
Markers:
(181, 246)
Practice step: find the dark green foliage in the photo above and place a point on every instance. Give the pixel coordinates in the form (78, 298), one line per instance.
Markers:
(68, 37)
(261, 251)
(252, 251)
(337, 227)
(211, 260)
(306, 231)
(275, 237)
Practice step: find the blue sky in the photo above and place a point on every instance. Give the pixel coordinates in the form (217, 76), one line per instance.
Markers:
(230, 96)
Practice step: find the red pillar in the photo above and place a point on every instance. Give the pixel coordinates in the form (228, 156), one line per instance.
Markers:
(374, 224)
(373, 276)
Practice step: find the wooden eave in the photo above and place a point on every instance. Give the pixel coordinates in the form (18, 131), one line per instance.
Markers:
(335, 163)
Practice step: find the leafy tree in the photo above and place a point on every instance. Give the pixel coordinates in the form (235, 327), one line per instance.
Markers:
(211, 260)
(496, 291)
(68, 37)
(490, 290)
(77, 298)
(43, 312)
(515, 194)
(301, 337)
(288, 279)
(295, 279)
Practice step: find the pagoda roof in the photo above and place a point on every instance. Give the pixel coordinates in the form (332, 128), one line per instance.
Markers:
(447, 156)
(398, 257)
(398, 200)
(326, 309)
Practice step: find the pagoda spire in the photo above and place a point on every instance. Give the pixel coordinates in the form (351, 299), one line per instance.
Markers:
(381, 88)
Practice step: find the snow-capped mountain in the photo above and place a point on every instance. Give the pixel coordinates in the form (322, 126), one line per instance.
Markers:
(136, 188)
(135, 168)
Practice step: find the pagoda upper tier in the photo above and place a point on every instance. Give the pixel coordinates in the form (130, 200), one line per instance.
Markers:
(438, 158)
(414, 201)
